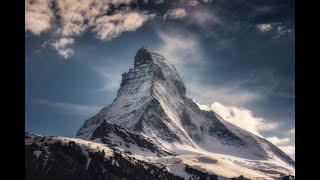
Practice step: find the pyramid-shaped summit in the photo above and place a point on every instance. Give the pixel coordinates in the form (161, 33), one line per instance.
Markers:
(143, 56)
(152, 117)
(151, 95)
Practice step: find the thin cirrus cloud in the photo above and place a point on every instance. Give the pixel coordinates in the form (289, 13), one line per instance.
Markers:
(226, 94)
(69, 108)
(111, 75)
(203, 18)
(70, 18)
(178, 48)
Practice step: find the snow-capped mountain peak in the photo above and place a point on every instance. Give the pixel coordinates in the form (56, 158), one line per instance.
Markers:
(151, 89)
(151, 116)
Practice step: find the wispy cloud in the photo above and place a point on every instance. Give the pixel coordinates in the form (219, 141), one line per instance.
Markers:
(61, 46)
(178, 13)
(278, 141)
(245, 119)
(290, 147)
(112, 77)
(110, 26)
(289, 150)
(203, 18)
(241, 117)
(70, 18)
(179, 48)
(226, 94)
(69, 108)
(286, 144)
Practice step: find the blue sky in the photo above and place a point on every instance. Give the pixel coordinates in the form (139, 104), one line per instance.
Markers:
(236, 58)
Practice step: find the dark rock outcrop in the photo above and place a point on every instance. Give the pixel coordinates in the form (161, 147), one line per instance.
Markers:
(67, 161)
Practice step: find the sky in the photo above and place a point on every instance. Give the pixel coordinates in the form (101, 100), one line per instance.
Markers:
(235, 57)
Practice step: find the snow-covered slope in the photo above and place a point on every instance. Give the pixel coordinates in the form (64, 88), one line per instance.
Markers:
(56, 157)
(152, 117)
(64, 158)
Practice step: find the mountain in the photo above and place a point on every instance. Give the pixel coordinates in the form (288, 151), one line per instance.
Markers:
(152, 121)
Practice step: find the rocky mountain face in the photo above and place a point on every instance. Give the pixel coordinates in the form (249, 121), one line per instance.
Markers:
(153, 122)
(149, 101)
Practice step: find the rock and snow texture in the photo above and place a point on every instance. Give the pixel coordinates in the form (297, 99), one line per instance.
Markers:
(152, 104)
(56, 157)
(152, 120)
(63, 158)
(149, 101)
